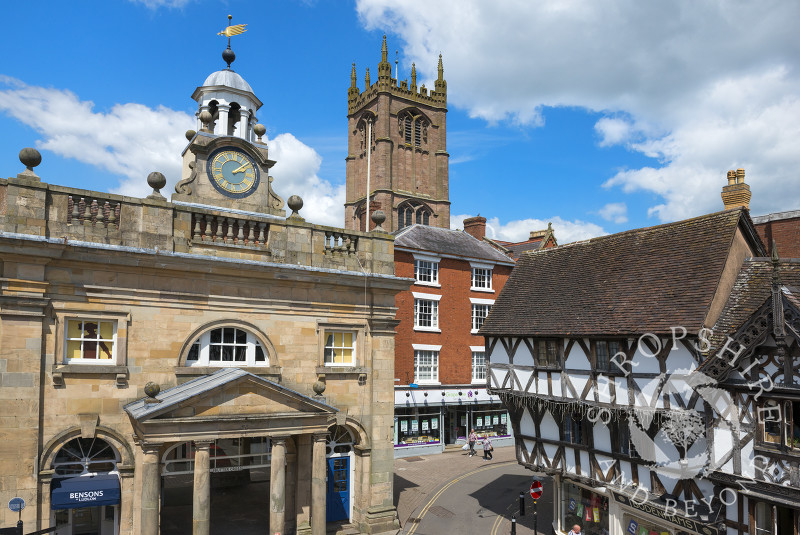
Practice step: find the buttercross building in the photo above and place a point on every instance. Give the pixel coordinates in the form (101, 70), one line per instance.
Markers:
(203, 364)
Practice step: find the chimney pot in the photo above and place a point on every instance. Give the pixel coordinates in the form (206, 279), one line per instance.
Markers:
(475, 227)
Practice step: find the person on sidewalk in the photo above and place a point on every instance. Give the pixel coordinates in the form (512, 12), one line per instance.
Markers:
(487, 449)
(473, 438)
(576, 530)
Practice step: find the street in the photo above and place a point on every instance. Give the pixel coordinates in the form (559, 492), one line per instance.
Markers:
(452, 493)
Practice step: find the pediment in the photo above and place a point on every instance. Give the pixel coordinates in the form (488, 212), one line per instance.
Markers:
(227, 394)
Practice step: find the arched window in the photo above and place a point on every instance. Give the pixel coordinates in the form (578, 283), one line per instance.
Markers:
(339, 440)
(85, 456)
(411, 212)
(234, 116)
(413, 128)
(227, 346)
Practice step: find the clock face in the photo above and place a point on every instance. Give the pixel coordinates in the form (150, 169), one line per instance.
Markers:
(233, 172)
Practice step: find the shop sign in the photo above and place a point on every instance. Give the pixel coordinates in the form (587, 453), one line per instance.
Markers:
(434, 423)
(414, 426)
(503, 418)
(404, 426)
(424, 425)
(16, 504)
(479, 422)
(662, 513)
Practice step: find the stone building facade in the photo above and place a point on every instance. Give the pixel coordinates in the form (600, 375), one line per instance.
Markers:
(203, 363)
(406, 167)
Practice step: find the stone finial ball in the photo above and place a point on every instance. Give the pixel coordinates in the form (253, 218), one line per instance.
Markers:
(30, 157)
(295, 202)
(190, 135)
(318, 387)
(260, 129)
(156, 180)
(378, 217)
(152, 389)
(205, 117)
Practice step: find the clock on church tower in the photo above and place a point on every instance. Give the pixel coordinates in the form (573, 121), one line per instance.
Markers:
(226, 164)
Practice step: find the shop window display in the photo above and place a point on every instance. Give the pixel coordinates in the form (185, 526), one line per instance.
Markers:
(585, 508)
(492, 423)
(414, 429)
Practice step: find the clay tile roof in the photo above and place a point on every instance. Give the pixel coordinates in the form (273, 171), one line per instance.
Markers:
(642, 280)
(753, 287)
(445, 241)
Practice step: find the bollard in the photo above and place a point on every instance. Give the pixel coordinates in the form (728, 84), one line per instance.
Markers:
(521, 504)
(513, 525)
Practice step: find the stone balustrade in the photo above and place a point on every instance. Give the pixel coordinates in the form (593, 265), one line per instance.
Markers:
(93, 212)
(32, 207)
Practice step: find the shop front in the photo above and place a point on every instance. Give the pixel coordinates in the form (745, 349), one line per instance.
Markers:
(427, 419)
(639, 517)
(584, 507)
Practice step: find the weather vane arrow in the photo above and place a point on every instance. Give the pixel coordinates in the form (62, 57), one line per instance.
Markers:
(236, 29)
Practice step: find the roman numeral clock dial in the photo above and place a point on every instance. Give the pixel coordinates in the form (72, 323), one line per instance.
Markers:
(233, 172)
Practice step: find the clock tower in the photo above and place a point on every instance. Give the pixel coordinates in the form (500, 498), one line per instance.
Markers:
(397, 150)
(226, 163)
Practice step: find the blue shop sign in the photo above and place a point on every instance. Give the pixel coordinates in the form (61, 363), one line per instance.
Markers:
(84, 491)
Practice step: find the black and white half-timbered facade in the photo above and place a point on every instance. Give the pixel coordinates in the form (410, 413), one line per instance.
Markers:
(613, 358)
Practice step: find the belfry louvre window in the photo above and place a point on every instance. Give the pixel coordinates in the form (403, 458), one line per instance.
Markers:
(413, 131)
(340, 348)
(90, 341)
(227, 346)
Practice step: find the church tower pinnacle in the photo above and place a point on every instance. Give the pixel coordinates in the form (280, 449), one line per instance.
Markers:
(397, 147)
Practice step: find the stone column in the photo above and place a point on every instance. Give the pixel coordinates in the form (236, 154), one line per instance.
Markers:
(201, 503)
(244, 122)
(277, 486)
(303, 496)
(126, 504)
(221, 128)
(318, 486)
(151, 489)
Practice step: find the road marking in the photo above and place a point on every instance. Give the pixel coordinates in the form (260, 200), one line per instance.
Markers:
(499, 520)
(451, 483)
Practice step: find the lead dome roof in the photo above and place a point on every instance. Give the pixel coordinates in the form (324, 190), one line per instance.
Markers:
(228, 78)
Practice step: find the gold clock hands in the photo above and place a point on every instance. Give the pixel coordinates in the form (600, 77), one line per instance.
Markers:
(240, 169)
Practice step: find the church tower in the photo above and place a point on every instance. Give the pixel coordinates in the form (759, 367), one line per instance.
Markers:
(397, 149)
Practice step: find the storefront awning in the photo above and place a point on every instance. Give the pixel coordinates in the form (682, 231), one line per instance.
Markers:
(84, 491)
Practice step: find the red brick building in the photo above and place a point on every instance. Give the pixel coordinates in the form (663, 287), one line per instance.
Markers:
(440, 369)
(784, 229)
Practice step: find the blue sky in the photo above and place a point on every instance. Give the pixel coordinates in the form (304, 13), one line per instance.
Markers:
(598, 116)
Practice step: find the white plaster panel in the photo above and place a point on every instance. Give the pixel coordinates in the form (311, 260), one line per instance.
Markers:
(627, 472)
(644, 477)
(707, 488)
(497, 377)
(526, 425)
(667, 480)
(549, 427)
(680, 360)
(621, 386)
(605, 463)
(550, 450)
(748, 462)
(541, 387)
(523, 376)
(723, 442)
(642, 361)
(586, 467)
(579, 382)
(523, 356)
(771, 368)
(556, 379)
(648, 389)
(498, 355)
(602, 437)
(665, 449)
(569, 461)
(603, 389)
(529, 444)
(577, 359)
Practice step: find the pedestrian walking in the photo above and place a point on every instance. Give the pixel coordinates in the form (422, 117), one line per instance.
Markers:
(487, 449)
(473, 438)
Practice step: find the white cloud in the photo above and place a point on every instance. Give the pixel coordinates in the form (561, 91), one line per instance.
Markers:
(614, 211)
(155, 4)
(132, 140)
(702, 86)
(520, 230)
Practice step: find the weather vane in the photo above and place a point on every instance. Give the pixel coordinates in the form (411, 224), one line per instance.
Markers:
(236, 29)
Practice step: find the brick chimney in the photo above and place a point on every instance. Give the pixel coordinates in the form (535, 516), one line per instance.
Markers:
(475, 227)
(736, 194)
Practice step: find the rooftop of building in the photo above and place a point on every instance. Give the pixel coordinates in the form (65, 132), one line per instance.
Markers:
(642, 280)
(776, 216)
(441, 241)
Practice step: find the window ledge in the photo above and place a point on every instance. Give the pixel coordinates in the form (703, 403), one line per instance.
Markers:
(485, 290)
(427, 383)
(428, 329)
(208, 370)
(342, 370)
(428, 284)
(120, 373)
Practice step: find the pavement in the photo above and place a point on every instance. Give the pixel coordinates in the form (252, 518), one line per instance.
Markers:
(453, 493)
